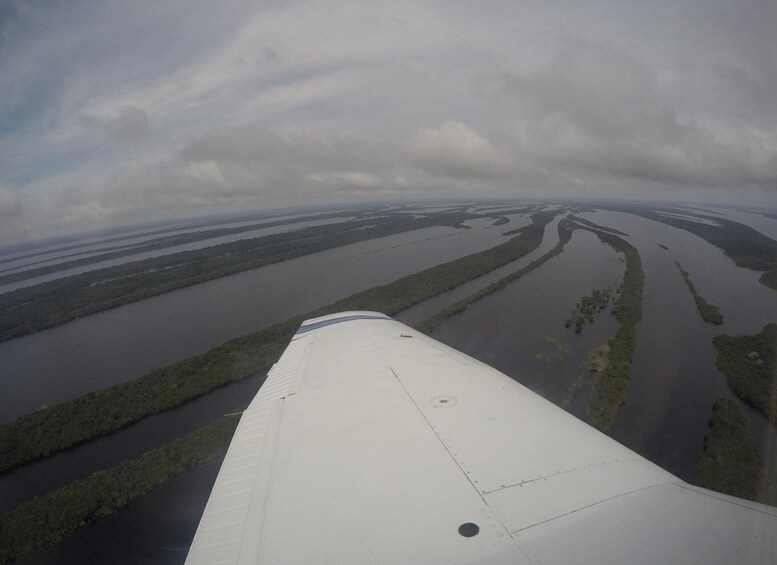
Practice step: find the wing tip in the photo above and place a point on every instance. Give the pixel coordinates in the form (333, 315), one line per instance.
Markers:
(340, 317)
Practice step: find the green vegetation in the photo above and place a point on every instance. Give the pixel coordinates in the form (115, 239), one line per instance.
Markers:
(750, 365)
(51, 303)
(590, 224)
(587, 309)
(612, 385)
(35, 524)
(747, 247)
(565, 229)
(709, 312)
(501, 220)
(730, 462)
(47, 519)
(58, 427)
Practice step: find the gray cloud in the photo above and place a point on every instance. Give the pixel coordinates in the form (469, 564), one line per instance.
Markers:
(290, 161)
(455, 150)
(263, 104)
(129, 125)
(12, 222)
(599, 110)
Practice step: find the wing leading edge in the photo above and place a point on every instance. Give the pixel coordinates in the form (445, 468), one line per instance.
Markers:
(372, 443)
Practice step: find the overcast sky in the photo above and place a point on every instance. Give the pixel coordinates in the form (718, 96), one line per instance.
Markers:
(116, 112)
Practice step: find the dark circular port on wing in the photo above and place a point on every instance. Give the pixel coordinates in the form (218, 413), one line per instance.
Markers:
(468, 529)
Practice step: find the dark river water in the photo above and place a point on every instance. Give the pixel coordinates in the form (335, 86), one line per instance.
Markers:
(675, 380)
(140, 255)
(509, 328)
(673, 386)
(425, 309)
(127, 238)
(110, 347)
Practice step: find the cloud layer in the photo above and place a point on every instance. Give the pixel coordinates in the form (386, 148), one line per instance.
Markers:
(117, 112)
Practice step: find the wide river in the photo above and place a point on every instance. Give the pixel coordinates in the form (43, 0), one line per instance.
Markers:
(110, 347)
(673, 386)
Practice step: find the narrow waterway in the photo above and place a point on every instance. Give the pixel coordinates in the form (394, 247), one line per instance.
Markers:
(674, 378)
(104, 452)
(425, 309)
(509, 328)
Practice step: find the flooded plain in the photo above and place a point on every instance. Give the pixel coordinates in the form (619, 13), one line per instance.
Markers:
(140, 254)
(519, 330)
(115, 345)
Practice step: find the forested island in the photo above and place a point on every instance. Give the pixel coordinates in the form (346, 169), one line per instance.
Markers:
(613, 362)
(587, 309)
(47, 519)
(165, 242)
(590, 224)
(565, 229)
(709, 312)
(45, 432)
(746, 246)
(58, 427)
(55, 302)
(34, 524)
(750, 365)
(730, 462)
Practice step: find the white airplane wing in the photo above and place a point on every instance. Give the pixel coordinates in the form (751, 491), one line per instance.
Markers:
(372, 443)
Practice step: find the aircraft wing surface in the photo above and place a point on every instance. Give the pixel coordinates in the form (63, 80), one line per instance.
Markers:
(370, 442)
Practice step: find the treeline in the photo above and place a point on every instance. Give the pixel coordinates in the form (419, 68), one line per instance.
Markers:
(58, 427)
(587, 309)
(730, 462)
(709, 312)
(750, 365)
(746, 246)
(159, 243)
(612, 385)
(52, 303)
(48, 518)
(591, 224)
(565, 229)
(62, 511)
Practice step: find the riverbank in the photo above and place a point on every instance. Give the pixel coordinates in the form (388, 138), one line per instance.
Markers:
(730, 462)
(612, 385)
(565, 230)
(249, 351)
(49, 304)
(47, 519)
(709, 312)
(64, 425)
(750, 365)
(746, 246)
